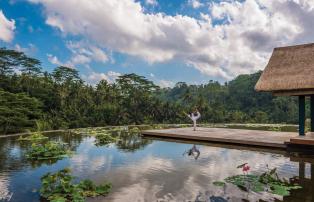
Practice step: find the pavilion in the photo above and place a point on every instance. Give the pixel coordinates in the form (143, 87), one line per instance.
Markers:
(290, 72)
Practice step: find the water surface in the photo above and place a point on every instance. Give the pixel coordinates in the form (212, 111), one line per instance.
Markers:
(142, 169)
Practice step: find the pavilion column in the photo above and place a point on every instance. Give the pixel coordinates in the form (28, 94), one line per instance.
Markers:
(312, 113)
(301, 170)
(301, 115)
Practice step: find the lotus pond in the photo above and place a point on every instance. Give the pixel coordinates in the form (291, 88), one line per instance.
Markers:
(117, 164)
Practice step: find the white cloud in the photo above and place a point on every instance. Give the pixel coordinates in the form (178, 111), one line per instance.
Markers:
(54, 60)
(79, 59)
(165, 83)
(7, 28)
(30, 49)
(99, 55)
(81, 54)
(151, 2)
(242, 43)
(195, 3)
(94, 77)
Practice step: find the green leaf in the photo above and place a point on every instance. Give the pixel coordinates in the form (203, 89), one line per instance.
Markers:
(280, 190)
(219, 183)
(58, 199)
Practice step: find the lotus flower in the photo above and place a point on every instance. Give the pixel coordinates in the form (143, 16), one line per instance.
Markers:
(246, 168)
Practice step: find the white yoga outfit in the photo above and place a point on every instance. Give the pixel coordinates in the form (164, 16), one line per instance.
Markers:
(194, 118)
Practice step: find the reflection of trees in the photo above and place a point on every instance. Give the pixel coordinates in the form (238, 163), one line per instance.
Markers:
(12, 157)
(12, 152)
(131, 142)
(306, 194)
(71, 139)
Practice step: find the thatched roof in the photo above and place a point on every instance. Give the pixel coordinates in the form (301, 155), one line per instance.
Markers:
(290, 71)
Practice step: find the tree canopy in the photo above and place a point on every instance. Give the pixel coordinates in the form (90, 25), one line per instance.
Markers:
(62, 99)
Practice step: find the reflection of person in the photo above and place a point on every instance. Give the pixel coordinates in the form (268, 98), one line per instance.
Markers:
(192, 151)
(194, 116)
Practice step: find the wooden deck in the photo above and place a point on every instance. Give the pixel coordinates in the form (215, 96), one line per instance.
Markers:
(308, 139)
(233, 136)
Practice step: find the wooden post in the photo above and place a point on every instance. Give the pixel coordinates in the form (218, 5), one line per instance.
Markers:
(312, 113)
(301, 114)
(301, 170)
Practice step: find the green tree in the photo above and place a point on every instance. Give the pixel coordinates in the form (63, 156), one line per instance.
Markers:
(136, 95)
(18, 112)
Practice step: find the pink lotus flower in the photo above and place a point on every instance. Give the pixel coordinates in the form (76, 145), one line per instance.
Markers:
(246, 168)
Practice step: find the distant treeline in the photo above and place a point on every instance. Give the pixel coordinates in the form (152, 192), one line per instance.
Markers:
(31, 98)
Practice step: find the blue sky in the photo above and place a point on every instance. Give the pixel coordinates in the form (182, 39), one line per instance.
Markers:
(166, 41)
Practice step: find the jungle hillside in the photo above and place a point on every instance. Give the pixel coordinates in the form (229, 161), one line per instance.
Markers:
(32, 98)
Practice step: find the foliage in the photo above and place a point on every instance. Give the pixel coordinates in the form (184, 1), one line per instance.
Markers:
(219, 183)
(17, 111)
(268, 181)
(134, 130)
(277, 185)
(59, 187)
(246, 181)
(48, 150)
(37, 136)
(61, 99)
(42, 125)
(103, 139)
(123, 138)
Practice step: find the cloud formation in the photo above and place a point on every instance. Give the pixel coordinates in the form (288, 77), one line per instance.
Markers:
(232, 38)
(81, 54)
(94, 77)
(151, 2)
(7, 28)
(195, 3)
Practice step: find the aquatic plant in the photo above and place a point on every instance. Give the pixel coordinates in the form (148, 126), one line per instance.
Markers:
(246, 182)
(269, 181)
(37, 136)
(59, 187)
(134, 130)
(245, 168)
(277, 185)
(49, 150)
(219, 183)
(97, 130)
(105, 139)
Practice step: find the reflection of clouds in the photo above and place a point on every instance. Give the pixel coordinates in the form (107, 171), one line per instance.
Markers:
(156, 178)
(84, 162)
(5, 194)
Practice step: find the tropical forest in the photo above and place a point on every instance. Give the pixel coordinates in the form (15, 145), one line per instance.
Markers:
(60, 99)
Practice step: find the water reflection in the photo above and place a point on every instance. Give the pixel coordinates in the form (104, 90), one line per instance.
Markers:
(307, 193)
(5, 194)
(194, 152)
(130, 142)
(142, 169)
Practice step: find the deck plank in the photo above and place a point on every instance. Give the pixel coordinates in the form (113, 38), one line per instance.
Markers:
(308, 139)
(227, 135)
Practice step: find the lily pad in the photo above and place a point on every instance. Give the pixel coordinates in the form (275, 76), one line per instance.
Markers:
(246, 182)
(219, 183)
(34, 137)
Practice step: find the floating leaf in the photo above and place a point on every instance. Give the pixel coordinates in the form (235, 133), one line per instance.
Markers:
(219, 183)
(246, 182)
(37, 136)
(59, 187)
